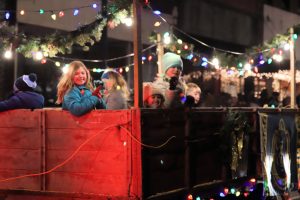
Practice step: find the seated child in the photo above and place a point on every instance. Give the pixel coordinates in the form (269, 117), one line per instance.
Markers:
(116, 93)
(153, 98)
(193, 94)
(170, 83)
(24, 95)
(74, 90)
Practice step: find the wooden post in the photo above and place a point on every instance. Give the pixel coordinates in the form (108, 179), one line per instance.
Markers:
(137, 74)
(160, 53)
(292, 69)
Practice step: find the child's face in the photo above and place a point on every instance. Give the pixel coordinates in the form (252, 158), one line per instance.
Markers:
(173, 72)
(155, 101)
(196, 94)
(108, 83)
(80, 77)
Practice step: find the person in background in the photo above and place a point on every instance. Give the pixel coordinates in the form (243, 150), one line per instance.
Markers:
(116, 92)
(152, 98)
(193, 93)
(24, 95)
(74, 90)
(171, 83)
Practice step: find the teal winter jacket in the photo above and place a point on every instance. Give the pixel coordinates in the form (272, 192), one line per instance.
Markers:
(79, 101)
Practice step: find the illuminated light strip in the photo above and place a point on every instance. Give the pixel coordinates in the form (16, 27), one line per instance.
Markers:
(268, 166)
(287, 169)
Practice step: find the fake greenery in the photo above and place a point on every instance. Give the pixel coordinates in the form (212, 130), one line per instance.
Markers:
(62, 43)
(232, 138)
(230, 59)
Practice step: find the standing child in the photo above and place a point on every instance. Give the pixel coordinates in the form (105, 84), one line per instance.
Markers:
(74, 90)
(24, 95)
(193, 93)
(116, 91)
(170, 83)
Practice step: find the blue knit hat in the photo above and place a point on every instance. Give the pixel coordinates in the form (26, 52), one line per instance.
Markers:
(171, 60)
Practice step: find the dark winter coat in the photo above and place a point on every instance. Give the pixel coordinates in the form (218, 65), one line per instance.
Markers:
(79, 101)
(23, 99)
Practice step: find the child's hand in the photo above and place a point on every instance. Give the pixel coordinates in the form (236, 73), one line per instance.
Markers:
(173, 83)
(97, 92)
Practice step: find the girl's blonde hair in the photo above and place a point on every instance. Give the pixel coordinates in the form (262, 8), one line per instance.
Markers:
(119, 82)
(66, 80)
(191, 86)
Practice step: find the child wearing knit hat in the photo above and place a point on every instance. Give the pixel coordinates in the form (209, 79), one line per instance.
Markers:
(116, 93)
(170, 84)
(24, 95)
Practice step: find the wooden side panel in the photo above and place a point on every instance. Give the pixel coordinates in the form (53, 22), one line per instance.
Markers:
(20, 149)
(136, 155)
(91, 152)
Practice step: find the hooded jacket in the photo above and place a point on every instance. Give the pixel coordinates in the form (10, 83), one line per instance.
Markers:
(23, 99)
(79, 101)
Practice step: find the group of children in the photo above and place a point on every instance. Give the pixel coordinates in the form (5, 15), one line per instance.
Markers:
(76, 93)
(169, 89)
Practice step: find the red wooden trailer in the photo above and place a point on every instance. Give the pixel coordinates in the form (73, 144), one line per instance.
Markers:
(50, 154)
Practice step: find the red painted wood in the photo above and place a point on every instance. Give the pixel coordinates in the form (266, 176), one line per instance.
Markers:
(108, 165)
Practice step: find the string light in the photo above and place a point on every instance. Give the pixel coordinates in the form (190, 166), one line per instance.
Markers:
(94, 5)
(65, 69)
(128, 21)
(53, 16)
(61, 14)
(7, 15)
(57, 64)
(76, 12)
(43, 61)
(157, 12)
(38, 55)
(8, 54)
(157, 24)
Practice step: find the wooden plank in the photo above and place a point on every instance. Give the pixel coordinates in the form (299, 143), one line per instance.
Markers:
(20, 159)
(98, 183)
(134, 155)
(89, 161)
(28, 183)
(20, 118)
(98, 118)
(60, 139)
(20, 138)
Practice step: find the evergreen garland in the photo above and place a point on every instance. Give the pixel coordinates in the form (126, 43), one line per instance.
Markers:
(232, 136)
(59, 43)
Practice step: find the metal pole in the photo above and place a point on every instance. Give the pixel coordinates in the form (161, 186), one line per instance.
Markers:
(137, 74)
(292, 69)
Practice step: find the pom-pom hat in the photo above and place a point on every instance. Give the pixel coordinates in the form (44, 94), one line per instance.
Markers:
(171, 60)
(26, 82)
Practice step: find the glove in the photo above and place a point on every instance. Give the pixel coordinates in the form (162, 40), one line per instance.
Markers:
(97, 92)
(173, 83)
(189, 101)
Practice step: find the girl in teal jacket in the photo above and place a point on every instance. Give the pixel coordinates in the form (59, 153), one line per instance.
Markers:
(74, 90)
